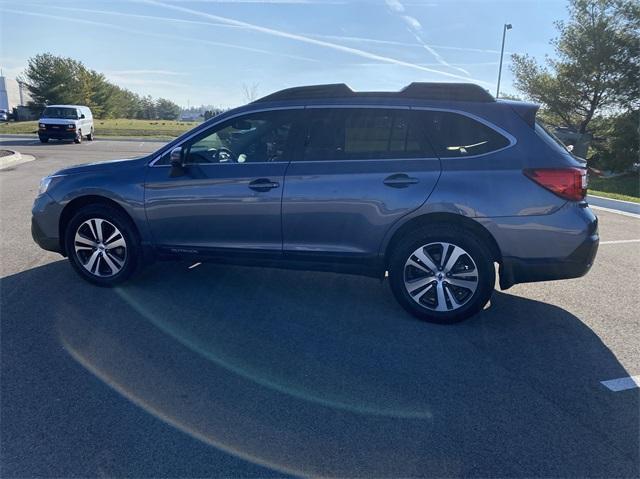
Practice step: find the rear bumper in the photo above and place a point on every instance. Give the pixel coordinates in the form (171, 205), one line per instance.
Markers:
(518, 270)
(514, 270)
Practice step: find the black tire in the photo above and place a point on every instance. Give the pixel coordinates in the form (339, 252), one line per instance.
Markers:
(44, 140)
(78, 138)
(130, 260)
(91, 136)
(454, 235)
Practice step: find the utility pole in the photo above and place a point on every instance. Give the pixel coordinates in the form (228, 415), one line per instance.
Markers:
(507, 26)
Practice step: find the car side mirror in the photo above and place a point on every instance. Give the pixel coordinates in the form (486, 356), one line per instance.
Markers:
(176, 159)
(82, 117)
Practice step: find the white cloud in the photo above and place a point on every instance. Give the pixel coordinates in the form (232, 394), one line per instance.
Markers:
(163, 36)
(413, 23)
(404, 44)
(306, 39)
(415, 28)
(395, 5)
(127, 81)
(145, 72)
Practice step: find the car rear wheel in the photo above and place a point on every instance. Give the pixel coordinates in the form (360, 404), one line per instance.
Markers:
(44, 140)
(102, 245)
(78, 138)
(441, 273)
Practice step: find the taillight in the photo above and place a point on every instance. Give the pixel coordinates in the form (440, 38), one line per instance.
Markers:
(567, 183)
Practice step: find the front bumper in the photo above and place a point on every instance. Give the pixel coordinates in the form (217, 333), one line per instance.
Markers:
(58, 134)
(514, 270)
(45, 223)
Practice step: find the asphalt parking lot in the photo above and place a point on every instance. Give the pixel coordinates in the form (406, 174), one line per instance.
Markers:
(239, 372)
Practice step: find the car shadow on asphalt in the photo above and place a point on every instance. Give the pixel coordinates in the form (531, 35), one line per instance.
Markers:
(304, 373)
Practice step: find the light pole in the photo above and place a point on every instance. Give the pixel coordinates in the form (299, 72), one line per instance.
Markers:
(507, 26)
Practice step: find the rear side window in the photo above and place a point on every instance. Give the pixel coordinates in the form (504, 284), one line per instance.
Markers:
(363, 133)
(455, 136)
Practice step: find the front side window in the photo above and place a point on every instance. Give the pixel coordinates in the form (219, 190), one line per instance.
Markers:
(363, 133)
(253, 138)
(455, 136)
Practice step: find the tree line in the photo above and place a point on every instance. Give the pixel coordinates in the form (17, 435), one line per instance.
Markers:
(593, 84)
(52, 79)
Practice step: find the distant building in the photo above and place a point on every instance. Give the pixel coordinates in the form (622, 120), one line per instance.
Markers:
(14, 97)
(191, 116)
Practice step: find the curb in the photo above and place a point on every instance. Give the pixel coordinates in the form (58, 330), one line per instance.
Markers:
(143, 139)
(13, 159)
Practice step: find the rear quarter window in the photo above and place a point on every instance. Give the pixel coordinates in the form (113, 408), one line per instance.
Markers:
(457, 136)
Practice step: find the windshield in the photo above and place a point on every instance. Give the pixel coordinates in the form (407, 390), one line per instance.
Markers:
(60, 112)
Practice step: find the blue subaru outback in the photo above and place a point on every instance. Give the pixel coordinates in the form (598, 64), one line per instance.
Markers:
(432, 185)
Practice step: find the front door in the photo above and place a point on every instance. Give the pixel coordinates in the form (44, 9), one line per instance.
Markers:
(229, 194)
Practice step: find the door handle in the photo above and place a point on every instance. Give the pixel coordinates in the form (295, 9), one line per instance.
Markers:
(263, 184)
(400, 180)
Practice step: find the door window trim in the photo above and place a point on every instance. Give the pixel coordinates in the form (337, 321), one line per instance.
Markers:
(353, 160)
(497, 129)
(152, 163)
(512, 140)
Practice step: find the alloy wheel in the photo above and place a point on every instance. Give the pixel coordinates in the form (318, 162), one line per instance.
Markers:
(100, 247)
(440, 276)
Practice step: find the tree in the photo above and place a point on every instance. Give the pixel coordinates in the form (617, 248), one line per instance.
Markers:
(51, 79)
(598, 64)
(167, 110)
(618, 148)
(147, 108)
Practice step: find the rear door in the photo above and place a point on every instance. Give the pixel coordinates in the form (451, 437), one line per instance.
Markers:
(361, 169)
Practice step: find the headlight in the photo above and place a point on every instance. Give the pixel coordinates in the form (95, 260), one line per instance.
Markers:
(44, 184)
(71, 127)
(42, 126)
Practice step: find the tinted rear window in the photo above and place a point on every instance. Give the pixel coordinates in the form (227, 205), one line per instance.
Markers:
(550, 139)
(454, 135)
(364, 133)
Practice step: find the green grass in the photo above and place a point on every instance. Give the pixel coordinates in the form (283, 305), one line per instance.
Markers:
(624, 187)
(117, 127)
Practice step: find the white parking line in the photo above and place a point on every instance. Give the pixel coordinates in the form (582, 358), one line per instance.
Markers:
(624, 213)
(622, 384)
(620, 241)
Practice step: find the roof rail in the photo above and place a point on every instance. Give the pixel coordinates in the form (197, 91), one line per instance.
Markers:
(416, 90)
(334, 90)
(447, 91)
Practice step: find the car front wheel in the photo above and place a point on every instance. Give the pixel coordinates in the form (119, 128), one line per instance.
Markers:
(442, 273)
(78, 138)
(102, 245)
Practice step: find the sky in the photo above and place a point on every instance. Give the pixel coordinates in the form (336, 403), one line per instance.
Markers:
(198, 52)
